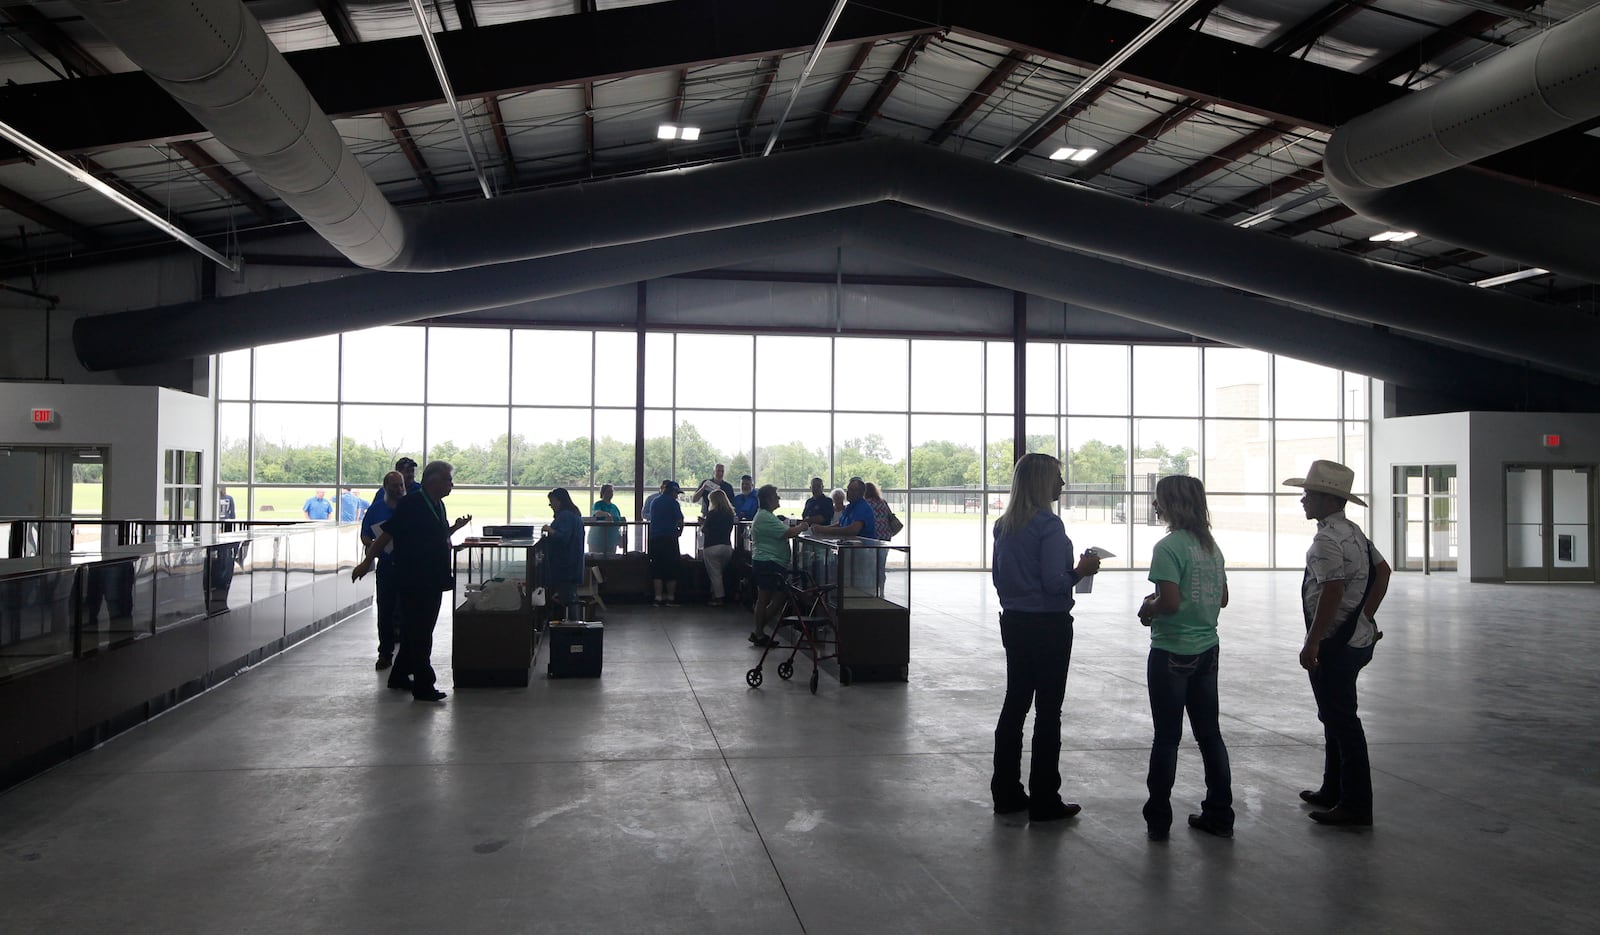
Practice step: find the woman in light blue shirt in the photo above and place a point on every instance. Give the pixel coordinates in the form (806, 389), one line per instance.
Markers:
(1181, 672)
(1033, 577)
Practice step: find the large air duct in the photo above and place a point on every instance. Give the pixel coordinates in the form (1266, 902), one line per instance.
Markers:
(1403, 163)
(1221, 314)
(214, 58)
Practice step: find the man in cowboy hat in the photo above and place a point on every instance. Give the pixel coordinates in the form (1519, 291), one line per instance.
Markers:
(1344, 583)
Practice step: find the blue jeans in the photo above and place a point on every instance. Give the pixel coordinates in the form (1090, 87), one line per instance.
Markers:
(1038, 651)
(1346, 771)
(1179, 683)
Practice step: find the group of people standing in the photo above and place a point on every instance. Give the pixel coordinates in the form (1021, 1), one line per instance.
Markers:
(1035, 574)
(406, 532)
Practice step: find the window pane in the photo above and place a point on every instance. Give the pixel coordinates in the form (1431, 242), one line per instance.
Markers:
(1097, 379)
(306, 369)
(872, 446)
(714, 371)
(486, 507)
(468, 365)
(613, 451)
(472, 438)
(1355, 396)
(947, 376)
(1042, 394)
(1240, 527)
(657, 448)
(233, 443)
(291, 503)
(946, 502)
(616, 368)
(1166, 381)
(233, 375)
(869, 373)
(658, 369)
(375, 437)
(1097, 507)
(791, 448)
(1300, 443)
(550, 448)
(1236, 383)
(381, 365)
(1355, 455)
(780, 361)
(1001, 374)
(1166, 446)
(1236, 456)
(294, 444)
(1306, 391)
(551, 368)
(705, 439)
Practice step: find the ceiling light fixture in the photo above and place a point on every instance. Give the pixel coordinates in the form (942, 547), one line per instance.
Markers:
(1074, 154)
(1305, 199)
(1392, 237)
(672, 131)
(37, 150)
(1518, 276)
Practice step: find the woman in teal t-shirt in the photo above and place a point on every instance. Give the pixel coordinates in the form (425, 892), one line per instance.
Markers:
(1191, 589)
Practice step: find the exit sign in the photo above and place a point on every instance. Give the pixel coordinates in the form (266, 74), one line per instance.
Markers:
(44, 417)
(1552, 441)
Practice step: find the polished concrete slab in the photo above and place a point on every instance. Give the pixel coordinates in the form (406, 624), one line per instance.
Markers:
(667, 796)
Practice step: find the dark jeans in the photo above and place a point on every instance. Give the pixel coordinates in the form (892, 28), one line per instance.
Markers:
(1179, 683)
(419, 610)
(1346, 771)
(388, 600)
(1038, 651)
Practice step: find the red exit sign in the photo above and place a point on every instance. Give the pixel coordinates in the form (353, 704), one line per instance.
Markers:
(44, 417)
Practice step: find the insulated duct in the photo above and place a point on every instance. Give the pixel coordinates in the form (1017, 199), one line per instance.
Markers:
(375, 299)
(1208, 312)
(370, 300)
(1404, 163)
(214, 58)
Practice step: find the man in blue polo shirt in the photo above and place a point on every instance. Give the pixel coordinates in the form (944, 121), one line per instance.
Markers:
(745, 502)
(318, 507)
(351, 507)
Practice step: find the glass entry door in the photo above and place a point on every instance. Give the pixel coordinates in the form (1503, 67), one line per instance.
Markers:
(1425, 518)
(42, 490)
(1549, 523)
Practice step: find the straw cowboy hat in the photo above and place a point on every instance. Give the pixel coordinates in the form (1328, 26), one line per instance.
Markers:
(1328, 477)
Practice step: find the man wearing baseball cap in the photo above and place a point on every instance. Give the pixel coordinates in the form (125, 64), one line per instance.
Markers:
(1345, 581)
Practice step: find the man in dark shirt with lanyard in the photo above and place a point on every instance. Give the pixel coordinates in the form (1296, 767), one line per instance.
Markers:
(420, 530)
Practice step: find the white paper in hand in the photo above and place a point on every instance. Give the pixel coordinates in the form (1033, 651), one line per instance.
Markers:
(1086, 585)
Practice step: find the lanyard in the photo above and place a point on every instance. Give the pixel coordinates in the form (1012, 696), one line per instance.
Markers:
(436, 509)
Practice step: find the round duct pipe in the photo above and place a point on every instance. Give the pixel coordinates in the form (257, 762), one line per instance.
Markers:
(1403, 163)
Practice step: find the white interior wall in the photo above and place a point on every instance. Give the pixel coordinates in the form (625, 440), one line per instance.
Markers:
(123, 419)
(1434, 439)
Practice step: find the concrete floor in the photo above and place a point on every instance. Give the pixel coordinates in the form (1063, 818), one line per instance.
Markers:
(668, 797)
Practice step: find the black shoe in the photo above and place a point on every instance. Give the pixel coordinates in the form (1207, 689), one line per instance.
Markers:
(757, 640)
(1011, 806)
(399, 685)
(431, 694)
(385, 660)
(1341, 817)
(1210, 826)
(1155, 834)
(1318, 798)
(1055, 812)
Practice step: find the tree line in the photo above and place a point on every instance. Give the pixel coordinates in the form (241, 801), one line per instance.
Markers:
(939, 463)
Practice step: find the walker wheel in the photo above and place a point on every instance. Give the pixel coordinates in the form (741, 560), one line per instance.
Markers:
(753, 677)
(785, 670)
(813, 681)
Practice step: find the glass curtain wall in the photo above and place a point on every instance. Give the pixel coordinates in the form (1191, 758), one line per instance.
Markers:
(931, 422)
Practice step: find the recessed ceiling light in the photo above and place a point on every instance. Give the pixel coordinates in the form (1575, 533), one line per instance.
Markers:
(667, 131)
(1518, 276)
(689, 133)
(1084, 154)
(1392, 237)
(1074, 153)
